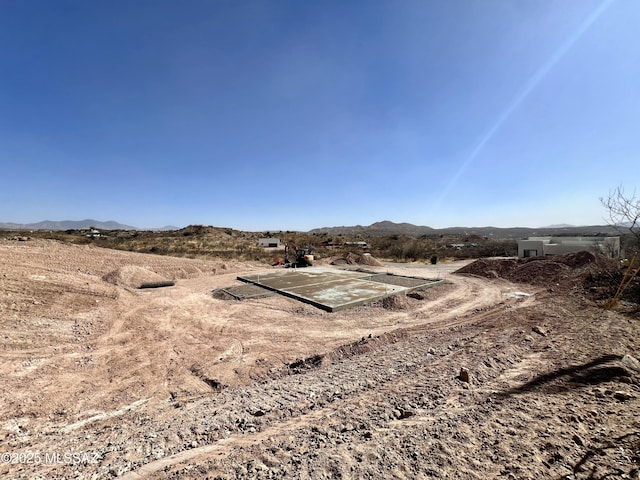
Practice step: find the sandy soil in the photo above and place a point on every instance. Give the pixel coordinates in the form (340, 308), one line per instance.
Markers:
(102, 379)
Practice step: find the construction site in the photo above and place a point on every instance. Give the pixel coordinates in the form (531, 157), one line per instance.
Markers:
(119, 364)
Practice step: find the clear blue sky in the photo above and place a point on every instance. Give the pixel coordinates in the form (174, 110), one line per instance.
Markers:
(268, 115)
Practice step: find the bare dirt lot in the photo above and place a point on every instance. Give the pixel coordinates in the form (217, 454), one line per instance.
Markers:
(102, 379)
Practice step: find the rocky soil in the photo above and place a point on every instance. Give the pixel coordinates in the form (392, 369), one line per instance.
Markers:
(479, 378)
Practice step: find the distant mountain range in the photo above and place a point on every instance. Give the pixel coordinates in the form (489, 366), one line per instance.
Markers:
(386, 228)
(378, 229)
(67, 225)
(559, 225)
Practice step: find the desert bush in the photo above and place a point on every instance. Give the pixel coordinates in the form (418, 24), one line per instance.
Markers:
(227, 244)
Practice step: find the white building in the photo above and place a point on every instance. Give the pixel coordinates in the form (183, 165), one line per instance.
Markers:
(541, 246)
(357, 244)
(269, 242)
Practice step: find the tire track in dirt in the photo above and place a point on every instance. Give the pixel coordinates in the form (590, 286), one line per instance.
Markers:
(453, 409)
(398, 370)
(404, 355)
(147, 351)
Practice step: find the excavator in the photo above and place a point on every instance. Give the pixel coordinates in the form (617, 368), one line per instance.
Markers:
(295, 257)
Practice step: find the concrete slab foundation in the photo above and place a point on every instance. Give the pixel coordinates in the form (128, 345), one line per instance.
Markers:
(247, 291)
(332, 289)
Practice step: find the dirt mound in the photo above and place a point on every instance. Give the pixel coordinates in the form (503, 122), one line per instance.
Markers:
(357, 259)
(134, 277)
(539, 273)
(396, 302)
(490, 268)
(569, 269)
(578, 259)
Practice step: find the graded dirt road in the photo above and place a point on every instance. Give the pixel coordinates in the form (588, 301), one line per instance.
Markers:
(101, 379)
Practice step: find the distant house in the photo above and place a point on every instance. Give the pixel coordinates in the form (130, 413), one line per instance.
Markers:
(544, 246)
(357, 244)
(269, 242)
(460, 246)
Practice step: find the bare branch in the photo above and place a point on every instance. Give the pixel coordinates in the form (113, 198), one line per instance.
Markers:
(623, 211)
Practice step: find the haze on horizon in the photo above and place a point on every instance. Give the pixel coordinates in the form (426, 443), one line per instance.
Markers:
(284, 115)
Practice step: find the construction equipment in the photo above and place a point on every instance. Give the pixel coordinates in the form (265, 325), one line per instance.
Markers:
(297, 257)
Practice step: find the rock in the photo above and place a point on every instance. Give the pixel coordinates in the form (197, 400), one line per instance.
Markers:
(349, 427)
(539, 330)
(623, 396)
(631, 362)
(578, 440)
(431, 351)
(464, 375)
(402, 414)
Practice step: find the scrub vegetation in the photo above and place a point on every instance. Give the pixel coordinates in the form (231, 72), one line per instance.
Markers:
(206, 242)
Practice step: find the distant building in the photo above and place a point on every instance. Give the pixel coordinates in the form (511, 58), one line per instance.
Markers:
(460, 246)
(269, 242)
(357, 244)
(543, 246)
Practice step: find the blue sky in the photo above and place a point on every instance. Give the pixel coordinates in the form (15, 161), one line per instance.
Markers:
(269, 115)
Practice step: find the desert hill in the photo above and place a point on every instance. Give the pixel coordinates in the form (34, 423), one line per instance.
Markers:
(377, 229)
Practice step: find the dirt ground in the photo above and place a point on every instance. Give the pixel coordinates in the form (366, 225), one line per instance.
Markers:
(102, 379)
